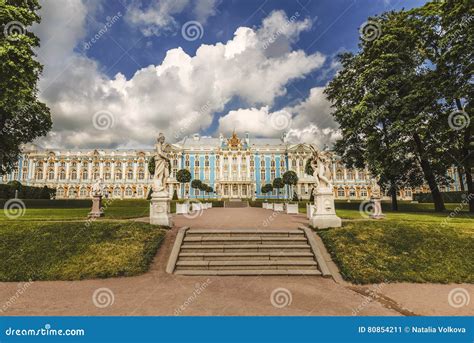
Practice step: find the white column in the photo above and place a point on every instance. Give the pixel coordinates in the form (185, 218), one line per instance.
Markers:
(68, 165)
(101, 169)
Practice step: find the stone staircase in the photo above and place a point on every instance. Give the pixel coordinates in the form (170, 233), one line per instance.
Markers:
(236, 204)
(246, 252)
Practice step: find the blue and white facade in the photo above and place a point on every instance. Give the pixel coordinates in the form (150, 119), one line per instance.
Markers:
(235, 168)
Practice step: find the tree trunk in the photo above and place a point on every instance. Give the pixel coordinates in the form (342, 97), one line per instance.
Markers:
(429, 175)
(393, 194)
(460, 177)
(466, 160)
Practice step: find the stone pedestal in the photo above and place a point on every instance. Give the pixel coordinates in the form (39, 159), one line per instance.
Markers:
(96, 210)
(160, 209)
(377, 209)
(324, 214)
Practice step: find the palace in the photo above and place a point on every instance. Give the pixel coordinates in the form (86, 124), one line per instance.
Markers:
(234, 167)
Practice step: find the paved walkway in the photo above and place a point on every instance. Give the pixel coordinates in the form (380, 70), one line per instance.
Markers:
(159, 293)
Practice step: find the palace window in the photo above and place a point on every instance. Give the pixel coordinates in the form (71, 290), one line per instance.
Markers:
(350, 175)
(196, 192)
(107, 175)
(73, 174)
(96, 175)
(206, 161)
(340, 192)
(130, 164)
(140, 191)
(39, 175)
(282, 163)
(262, 164)
(117, 192)
(363, 192)
(107, 164)
(24, 174)
(63, 164)
(118, 164)
(130, 174)
(175, 163)
(83, 192)
(118, 175)
(262, 175)
(272, 163)
(60, 192)
(196, 163)
(128, 192)
(141, 164)
(361, 175)
(272, 174)
(252, 163)
(84, 175)
(71, 192)
(51, 174)
(293, 164)
(352, 192)
(196, 173)
(141, 174)
(62, 175)
(339, 175)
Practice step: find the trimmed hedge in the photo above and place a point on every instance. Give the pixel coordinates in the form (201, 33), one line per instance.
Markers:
(454, 197)
(7, 191)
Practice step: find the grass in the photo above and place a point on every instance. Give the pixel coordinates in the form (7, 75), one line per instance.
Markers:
(74, 251)
(113, 209)
(404, 247)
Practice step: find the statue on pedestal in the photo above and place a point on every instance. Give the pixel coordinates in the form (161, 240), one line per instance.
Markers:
(162, 165)
(320, 163)
(376, 199)
(97, 193)
(324, 213)
(160, 202)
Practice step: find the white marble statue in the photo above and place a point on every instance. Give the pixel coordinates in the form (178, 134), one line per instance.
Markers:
(376, 192)
(321, 164)
(162, 164)
(98, 188)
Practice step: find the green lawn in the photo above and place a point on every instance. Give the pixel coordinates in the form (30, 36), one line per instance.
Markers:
(114, 209)
(73, 251)
(409, 247)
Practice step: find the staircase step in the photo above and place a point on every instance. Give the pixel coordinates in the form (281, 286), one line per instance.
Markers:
(209, 264)
(245, 248)
(243, 239)
(240, 232)
(206, 256)
(246, 272)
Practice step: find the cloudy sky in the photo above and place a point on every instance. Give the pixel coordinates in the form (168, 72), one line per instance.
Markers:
(119, 72)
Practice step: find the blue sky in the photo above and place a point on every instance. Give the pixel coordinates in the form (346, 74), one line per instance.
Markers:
(80, 75)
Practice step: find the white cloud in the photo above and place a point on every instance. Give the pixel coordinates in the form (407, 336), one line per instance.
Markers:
(159, 17)
(177, 97)
(309, 121)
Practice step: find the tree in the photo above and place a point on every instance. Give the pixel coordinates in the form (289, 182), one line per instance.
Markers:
(196, 184)
(448, 35)
(267, 188)
(175, 195)
(278, 184)
(23, 117)
(203, 188)
(389, 116)
(183, 176)
(290, 179)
